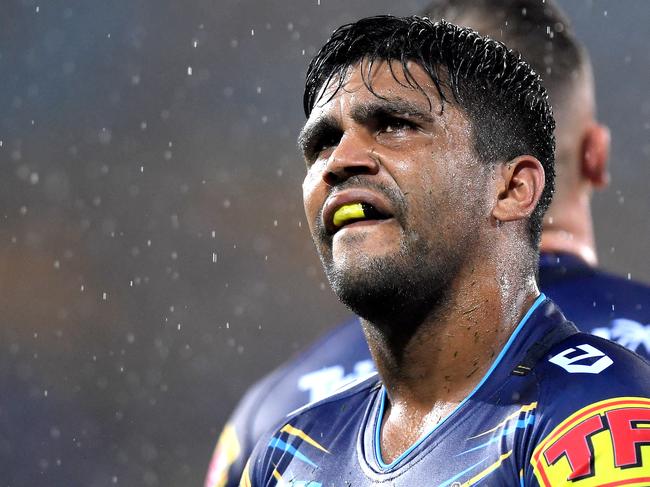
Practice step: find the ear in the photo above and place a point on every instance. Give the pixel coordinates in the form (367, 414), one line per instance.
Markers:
(521, 182)
(595, 155)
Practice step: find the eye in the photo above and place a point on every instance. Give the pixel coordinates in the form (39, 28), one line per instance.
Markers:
(325, 142)
(319, 142)
(395, 124)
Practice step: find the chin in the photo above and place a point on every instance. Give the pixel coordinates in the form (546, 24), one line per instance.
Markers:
(391, 287)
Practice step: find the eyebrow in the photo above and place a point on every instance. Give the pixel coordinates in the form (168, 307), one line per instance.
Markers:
(382, 107)
(362, 114)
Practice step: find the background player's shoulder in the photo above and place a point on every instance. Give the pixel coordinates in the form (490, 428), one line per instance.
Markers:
(353, 393)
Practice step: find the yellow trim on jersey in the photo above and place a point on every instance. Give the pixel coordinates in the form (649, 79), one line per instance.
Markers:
(245, 480)
(524, 409)
(487, 471)
(277, 476)
(303, 436)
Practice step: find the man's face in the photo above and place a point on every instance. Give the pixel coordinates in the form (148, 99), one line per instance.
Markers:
(394, 194)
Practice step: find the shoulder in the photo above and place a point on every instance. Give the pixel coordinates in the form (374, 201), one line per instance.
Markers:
(315, 425)
(356, 391)
(336, 358)
(595, 365)
(594, 399)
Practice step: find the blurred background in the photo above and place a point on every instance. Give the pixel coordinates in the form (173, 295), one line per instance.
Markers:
(154, 257)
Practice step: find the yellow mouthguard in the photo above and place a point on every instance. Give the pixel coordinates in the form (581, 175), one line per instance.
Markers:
(348, 212)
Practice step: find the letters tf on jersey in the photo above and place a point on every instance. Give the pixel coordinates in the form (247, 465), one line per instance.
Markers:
(608, 440)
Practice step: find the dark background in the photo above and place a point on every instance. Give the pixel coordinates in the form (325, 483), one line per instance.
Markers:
(154, 257)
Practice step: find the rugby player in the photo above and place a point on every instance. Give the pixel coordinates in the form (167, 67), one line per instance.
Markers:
(599, 302)
(430, 156)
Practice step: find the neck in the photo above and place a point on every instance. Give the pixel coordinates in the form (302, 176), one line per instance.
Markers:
(568, 229)
(429, 373)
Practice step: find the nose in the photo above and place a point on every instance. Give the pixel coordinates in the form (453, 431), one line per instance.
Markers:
(354, 155)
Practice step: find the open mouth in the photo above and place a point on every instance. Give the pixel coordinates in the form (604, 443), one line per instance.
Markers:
(356, 212)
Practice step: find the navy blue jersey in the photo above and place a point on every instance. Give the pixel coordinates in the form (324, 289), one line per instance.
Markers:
(599, 303)
(556, 407)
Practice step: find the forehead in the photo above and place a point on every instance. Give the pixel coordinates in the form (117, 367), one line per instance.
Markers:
(367, 82)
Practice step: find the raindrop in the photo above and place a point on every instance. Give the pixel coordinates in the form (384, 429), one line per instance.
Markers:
(214, 257)
(104, 296)
(105, 136)
(189, 70)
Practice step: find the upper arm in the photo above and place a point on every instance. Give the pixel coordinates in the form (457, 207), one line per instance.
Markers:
(593, 428)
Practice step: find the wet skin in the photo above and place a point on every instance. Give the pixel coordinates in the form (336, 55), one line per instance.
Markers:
(415, 163)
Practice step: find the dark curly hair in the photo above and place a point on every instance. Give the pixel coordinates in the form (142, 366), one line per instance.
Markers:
(502, 96)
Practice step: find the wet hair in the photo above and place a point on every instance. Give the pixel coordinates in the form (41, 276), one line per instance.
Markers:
(502, 96)
(539, 30)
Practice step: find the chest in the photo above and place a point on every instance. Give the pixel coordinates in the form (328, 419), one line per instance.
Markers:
(477, 441)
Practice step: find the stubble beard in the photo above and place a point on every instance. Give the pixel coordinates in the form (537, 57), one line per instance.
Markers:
(394, 290)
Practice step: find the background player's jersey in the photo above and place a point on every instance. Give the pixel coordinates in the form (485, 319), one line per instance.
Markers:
(556, 408)
(600, 303)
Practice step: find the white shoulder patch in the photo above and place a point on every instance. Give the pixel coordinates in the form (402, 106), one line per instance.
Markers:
(581, 363)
